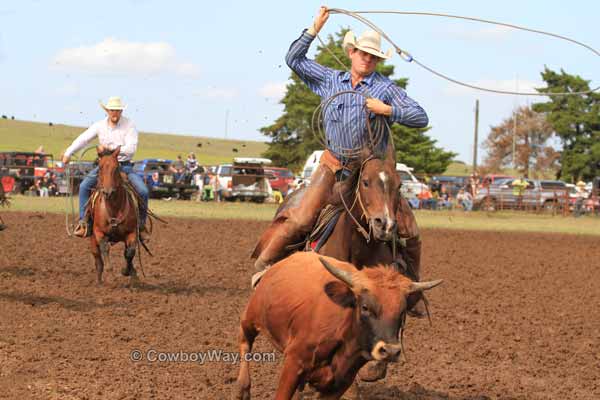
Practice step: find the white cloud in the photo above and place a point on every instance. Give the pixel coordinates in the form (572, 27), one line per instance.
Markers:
(113, 56)
(218, 93)
(273, 90)
(506, 85)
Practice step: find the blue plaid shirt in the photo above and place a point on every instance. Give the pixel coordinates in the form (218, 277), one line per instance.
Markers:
(345, 118)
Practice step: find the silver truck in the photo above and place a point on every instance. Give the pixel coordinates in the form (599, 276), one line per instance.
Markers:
(538, 195)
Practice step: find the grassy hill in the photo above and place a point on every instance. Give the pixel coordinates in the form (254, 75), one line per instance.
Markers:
(28, 136)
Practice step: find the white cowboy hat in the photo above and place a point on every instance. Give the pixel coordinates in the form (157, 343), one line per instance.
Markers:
(113, 103)
(369, 42)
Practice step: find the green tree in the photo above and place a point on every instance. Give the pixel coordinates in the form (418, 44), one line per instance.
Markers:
(292, 138)
(576, 121)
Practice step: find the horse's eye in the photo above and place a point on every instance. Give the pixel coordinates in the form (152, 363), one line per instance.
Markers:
(364, 308)
(365, 183)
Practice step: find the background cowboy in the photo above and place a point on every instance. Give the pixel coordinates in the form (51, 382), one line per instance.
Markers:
(112, 132)
(345, 126)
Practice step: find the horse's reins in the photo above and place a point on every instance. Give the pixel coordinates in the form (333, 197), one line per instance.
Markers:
(365, 214)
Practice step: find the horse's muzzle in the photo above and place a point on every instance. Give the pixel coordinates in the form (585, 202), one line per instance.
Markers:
(383, 228)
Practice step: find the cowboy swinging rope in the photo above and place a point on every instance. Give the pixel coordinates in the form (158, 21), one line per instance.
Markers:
(376, 131)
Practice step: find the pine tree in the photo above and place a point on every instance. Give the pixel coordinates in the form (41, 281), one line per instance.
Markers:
(576, 121)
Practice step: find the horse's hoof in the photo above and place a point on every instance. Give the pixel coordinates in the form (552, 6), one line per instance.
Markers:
(241, 394)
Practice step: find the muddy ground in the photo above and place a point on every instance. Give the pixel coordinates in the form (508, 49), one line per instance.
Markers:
(518, 316)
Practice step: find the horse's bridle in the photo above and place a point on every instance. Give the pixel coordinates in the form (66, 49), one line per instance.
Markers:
(365, 214)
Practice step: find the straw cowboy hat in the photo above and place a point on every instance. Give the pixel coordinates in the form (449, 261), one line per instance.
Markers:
(369, 42)
(580, 184)
(113, 103)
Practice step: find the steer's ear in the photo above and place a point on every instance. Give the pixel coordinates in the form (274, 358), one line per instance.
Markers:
(422, 286)
(340, 294)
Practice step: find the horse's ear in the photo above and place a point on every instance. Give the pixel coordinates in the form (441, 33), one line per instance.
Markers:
(365, 153)
(390, 154)
(116, 152)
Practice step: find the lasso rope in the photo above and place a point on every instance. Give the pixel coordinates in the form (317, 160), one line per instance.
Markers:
(70, 214)
(409, 58)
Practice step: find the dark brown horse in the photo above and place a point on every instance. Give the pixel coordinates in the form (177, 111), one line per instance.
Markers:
(115, 215)
(369, 199)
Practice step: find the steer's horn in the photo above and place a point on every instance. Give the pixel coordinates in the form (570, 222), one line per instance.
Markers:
(421, 286)
(342, 275)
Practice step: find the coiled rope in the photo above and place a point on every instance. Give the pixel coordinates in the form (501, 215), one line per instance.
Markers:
(70, 214)
(405, 55)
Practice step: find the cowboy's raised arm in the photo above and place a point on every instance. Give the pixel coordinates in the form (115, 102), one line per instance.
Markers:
(131, 141)
(313, 74)
(82, 140)
(405, 110)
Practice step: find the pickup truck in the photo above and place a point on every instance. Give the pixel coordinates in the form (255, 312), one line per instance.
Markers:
(22, 168)
(244, 179)
(167, 185)
(539, 194)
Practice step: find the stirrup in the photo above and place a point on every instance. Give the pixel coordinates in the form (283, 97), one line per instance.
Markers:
(83, 229)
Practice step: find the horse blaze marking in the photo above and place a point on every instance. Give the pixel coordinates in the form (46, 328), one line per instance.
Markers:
(384, 178)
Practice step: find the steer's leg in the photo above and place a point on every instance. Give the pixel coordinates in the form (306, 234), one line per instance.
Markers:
(290, 377)
(246, 337)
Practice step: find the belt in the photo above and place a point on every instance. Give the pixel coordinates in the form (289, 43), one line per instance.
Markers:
(125, 163)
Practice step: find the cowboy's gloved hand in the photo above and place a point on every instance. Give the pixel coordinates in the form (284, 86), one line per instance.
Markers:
(377, 106)
(320, 20)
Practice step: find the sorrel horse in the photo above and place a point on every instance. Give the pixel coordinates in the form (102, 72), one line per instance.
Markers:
(115, 215)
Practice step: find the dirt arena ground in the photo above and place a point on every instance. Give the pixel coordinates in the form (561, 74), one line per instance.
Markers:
(518, 317)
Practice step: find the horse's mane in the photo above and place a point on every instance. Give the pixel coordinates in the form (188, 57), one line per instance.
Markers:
(106, 152)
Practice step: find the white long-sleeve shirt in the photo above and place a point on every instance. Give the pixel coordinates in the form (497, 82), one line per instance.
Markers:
(124, 134)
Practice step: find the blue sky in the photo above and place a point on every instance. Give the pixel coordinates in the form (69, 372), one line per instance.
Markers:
(180, 65)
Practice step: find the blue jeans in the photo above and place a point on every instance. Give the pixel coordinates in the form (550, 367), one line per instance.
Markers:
(89, 183)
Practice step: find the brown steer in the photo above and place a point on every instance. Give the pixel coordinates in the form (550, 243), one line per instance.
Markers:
(328, 322)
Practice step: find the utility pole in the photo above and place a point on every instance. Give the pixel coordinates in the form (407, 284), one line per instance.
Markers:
(476, 141)
(226, 121)
(514, 142)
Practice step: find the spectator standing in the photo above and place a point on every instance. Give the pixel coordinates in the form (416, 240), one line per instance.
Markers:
(581, 196)
(199, 182)
(178, 168)
(207, 193)
(191, 164)
(519, 186)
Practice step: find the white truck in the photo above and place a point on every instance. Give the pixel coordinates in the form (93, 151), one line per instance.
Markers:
(244, 179)
(411, 187)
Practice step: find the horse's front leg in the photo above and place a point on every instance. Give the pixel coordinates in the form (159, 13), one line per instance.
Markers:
(130, 246)
(96, 251)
